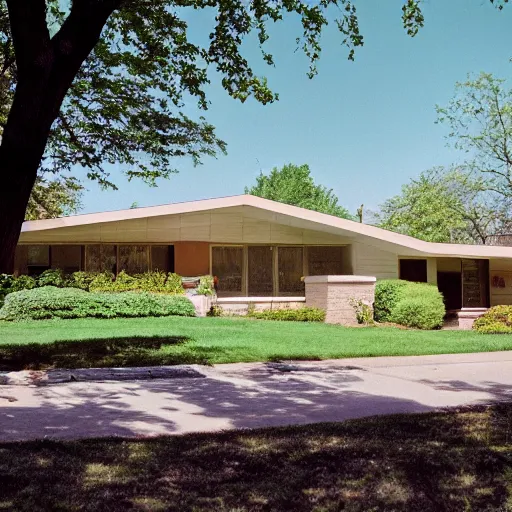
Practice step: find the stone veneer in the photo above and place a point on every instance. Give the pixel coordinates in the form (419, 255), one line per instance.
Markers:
(240, 305)
(334, 295)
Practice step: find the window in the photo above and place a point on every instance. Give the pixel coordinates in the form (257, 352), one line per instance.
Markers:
(290, 270)
(325, 261)
(67, 257)
(413, 270)
(260, 278)
(227, 266)
(101, 258)
(161, 258)
(133, 259)
(38, 259)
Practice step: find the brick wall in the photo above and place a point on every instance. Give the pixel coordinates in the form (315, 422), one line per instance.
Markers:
(334, 295)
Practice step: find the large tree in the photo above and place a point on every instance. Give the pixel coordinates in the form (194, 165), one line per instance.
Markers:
(103, 81)
(293, 184)
(445, 206)
(479, 117)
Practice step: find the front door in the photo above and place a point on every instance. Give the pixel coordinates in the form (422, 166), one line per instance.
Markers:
(450, 285)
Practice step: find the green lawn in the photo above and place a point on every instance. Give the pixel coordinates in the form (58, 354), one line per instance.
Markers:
(450, 461)
(172, 340)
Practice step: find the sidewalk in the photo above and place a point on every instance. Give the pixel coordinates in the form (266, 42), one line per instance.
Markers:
(254, 395)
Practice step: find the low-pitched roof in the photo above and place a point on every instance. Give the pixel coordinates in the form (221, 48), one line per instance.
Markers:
(310, 218)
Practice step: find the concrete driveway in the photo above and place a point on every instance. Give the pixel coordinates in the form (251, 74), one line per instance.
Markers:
(254, 395)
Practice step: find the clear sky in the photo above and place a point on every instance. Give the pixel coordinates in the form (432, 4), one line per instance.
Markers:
(364, 127)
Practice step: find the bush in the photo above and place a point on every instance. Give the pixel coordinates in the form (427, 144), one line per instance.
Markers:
(52, 277)
(418, 305)
(173, 284)
(497, 320)
(6, 282)
(305, 314)
(387, 294)
(206, 286)
(155, 282)
(102, 282)
(81, 280)
(51, 302)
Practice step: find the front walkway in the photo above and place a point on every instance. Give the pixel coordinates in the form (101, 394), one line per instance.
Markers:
(254, 395)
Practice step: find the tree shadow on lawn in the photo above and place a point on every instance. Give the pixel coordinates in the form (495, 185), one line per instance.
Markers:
(100, 353)
(434, 462)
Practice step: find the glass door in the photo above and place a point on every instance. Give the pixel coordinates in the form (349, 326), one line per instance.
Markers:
(260, 275)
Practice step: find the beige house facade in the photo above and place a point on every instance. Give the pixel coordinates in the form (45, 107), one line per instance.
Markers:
(260, 250)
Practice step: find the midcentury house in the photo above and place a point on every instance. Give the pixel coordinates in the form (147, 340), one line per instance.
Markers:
(260, 249)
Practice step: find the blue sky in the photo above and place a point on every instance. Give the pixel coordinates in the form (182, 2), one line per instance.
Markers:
(364, 127)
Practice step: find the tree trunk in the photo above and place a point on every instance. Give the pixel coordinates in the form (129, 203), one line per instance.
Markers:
(23, 142)
(46, 69)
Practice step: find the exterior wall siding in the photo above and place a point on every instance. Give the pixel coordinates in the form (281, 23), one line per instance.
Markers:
(237, 225)
(369, 261)
(192, 258)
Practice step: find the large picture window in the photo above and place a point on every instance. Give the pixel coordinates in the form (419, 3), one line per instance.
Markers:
(133, 259)
(325, 261)
(227, 266)
(291, 270)
(101, 258)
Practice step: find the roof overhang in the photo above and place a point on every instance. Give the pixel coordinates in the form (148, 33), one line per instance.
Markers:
(281, 214)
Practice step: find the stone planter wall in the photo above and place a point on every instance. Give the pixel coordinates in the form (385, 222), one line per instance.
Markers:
(334, 295)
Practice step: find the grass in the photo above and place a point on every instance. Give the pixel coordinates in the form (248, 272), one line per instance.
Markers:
(173, 340)
(451, 461)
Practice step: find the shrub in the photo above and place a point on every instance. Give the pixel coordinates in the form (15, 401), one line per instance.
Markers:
(81, 280)
(418, 305)
(206, 286)
(305, 314)
(387, 294)
(52, 277)
(6, 282)
(173, 284)
(363, 311)
(151, 281)
(51, 302)
(23, 283)
(497, 320)
(102, 282)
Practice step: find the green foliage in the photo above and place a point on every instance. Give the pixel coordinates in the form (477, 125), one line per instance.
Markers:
(497, 320)
(51, 302)
(304, 314)
(6, 282)
(52, 277)
(128, 96)
(102, 282)
(215, 311)
(293, 184)
(206, 286)
(364, 312)
(417, 305)
(442, 206)
(54, 197)
(173, 284)
(81, 280)
(479, 118)
(387, 294)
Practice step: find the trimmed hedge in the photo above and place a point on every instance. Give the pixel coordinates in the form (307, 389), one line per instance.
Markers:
(497, 320)
(51, 302)
(418, 305)
(305, 314)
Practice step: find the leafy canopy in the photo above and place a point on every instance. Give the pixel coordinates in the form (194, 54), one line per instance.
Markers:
(126, 104)
(293, 184)
(443, 206)
(479, 118)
